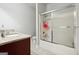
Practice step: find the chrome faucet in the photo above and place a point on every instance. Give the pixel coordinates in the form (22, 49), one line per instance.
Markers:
(2, 31)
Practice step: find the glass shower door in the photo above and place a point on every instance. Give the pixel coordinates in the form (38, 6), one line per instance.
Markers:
(63, 26)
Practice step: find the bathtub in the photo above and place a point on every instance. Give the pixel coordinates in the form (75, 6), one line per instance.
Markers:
(57, 49)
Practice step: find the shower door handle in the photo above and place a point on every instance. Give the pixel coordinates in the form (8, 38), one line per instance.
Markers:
(65, 27)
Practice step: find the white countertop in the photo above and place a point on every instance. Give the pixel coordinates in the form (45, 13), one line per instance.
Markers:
(13, 38)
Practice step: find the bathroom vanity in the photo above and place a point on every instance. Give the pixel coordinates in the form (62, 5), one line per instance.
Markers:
(17, 44)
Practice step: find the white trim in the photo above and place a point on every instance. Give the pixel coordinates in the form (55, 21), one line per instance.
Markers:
(75, 29)
(37, 25)
(47, 12)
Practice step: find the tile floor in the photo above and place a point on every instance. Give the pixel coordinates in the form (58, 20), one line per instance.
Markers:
(36, 50)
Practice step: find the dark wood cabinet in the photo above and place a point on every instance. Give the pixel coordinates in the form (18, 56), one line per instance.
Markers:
(20, 47)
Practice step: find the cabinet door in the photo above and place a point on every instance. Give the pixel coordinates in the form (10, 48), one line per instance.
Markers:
(21, 47)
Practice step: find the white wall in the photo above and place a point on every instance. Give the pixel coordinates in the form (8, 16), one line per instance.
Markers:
(22, 16)
(54, 6)
(41, 7)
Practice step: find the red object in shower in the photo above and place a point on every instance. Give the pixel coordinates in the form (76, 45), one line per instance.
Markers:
(45, 25)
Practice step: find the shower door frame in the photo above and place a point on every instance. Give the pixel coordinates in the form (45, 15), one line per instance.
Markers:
(75, 24)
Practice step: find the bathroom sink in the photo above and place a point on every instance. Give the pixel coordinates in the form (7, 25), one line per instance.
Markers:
(13, 35)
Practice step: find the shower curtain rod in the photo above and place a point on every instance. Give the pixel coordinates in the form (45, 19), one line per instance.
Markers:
(57, 9)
